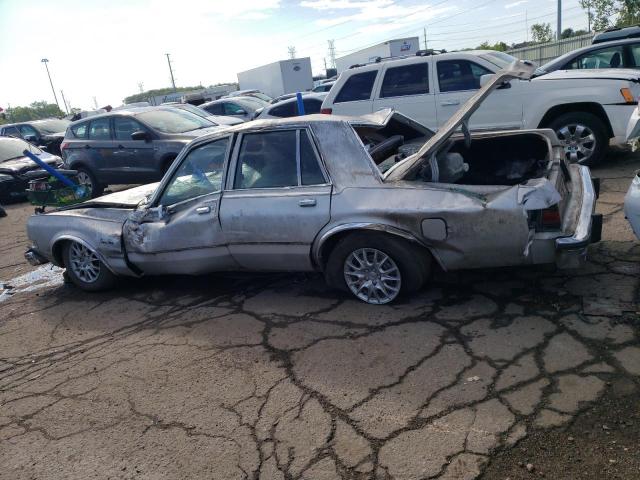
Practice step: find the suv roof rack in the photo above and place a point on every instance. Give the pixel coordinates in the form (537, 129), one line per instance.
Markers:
(419, 53)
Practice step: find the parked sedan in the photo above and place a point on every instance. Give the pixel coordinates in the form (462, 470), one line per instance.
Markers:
(289, 108)
(372, 202)
(129, 146)
(616, 54)
(15, 167)
(243, 108)
(215, 119)
(46, 134)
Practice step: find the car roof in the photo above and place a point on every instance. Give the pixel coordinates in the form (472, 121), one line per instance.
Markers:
(29, 122)
(616, 33)
(130, 112)
(595, 46)
(308, 95)
(415, 59)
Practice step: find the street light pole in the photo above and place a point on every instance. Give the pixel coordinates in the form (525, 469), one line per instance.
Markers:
(559, 33)
(173, 82)
(46, 61)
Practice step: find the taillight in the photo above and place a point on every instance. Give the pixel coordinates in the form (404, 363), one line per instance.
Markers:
(326, 111)
(550, 218)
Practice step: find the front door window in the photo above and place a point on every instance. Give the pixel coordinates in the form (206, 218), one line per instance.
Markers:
(199, 174)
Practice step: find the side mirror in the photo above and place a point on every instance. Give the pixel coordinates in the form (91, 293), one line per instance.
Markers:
(484, 79)
(242, 111)
(30, 138)
(140, 135)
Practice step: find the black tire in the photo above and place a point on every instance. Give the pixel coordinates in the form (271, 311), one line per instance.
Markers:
(413, 262)
(103, 281)
(96, 187)
(590, 121)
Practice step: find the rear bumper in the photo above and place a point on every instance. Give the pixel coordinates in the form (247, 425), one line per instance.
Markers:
(35, 258)
(571, 252)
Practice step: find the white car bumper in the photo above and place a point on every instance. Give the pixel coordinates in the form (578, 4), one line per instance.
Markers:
(632, 204)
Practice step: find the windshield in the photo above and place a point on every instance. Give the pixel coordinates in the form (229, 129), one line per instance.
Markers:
(499, 59)
(52, 126)
(173, 121)
(193, 109)
(261, 96)
(11, 148)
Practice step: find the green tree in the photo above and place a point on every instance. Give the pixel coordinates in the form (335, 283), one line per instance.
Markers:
(541, 32)
(608, 13)
(35, 111)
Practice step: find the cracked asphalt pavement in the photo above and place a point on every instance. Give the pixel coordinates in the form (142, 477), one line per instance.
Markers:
(279, 377)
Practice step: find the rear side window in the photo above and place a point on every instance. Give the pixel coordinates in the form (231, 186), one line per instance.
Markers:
(215, 109)
(406, 80)
(99, 129)
(311, 105)
(357, 87)
(233, 109)
(12, 132)
(80, 131)
(310, 171)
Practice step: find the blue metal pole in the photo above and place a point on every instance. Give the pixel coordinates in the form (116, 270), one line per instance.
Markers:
(300, 104)
(53, 172)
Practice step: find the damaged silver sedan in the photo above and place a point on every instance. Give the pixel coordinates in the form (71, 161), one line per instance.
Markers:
(375, 203)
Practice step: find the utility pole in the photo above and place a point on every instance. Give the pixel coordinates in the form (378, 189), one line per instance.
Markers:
(292, 52)
(46, 61)
(425, 37)
(173, 82)
(589, 15)
(141, 87)
(66, 107)
(559, 32)
(95, 102)
(332, 53)
(526, 24)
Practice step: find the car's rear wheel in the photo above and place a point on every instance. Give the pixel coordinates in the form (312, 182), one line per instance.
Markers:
(377, 268)
(583, 137)
(85, 269)
(86, 177)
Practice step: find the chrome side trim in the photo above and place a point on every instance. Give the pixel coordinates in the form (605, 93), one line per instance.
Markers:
(582, 233)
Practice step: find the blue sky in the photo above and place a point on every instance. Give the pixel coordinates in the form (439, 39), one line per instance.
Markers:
(106, 48)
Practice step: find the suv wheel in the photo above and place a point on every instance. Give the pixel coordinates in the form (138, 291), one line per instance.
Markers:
(85, 269)
(583, 136)
(86, 177)
(376, 268)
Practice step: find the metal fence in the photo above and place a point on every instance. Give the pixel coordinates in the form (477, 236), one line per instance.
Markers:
(546, 52)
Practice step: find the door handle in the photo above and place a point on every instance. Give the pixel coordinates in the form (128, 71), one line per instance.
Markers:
(448, 103)
(121, 147)
(307, 202)
(87, 146)
(203, 210)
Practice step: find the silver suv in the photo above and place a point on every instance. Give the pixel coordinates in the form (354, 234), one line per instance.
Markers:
(129, 146)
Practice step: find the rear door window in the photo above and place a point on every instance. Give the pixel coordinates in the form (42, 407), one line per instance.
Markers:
(406, 80)
(311, 105)
(357, 87)
(99, 129)
(233, 109)
(310, 171)
(27, 130)
(12, 132)
(288, 109)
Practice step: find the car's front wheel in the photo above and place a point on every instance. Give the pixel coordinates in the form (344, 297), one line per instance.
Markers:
(583, 136)
(377, 268)
(85, 269)
(86, 177)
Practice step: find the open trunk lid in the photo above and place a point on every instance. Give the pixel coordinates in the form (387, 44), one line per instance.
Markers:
(408, 167)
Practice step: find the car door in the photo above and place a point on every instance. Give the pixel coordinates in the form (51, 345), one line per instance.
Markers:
(459, 79)
(182, 233)
(133, 159)
(277, 200)
(354, 96)
(406, 88)
(100, 150)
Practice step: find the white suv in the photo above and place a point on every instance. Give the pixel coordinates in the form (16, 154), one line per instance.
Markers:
(588, 109)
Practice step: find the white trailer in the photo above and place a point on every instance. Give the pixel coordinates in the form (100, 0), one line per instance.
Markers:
(393, 48)
(278, 78)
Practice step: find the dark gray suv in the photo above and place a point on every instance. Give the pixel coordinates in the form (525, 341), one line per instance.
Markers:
(128, 147)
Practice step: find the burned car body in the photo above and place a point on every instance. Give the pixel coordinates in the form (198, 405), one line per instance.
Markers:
(370, 201)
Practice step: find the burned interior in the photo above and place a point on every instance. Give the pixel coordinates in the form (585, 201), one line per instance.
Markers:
(500, 159)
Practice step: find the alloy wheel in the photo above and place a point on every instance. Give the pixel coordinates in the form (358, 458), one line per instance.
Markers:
(579, 142)
(84, 179)
(84, 263)
(372, 276)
